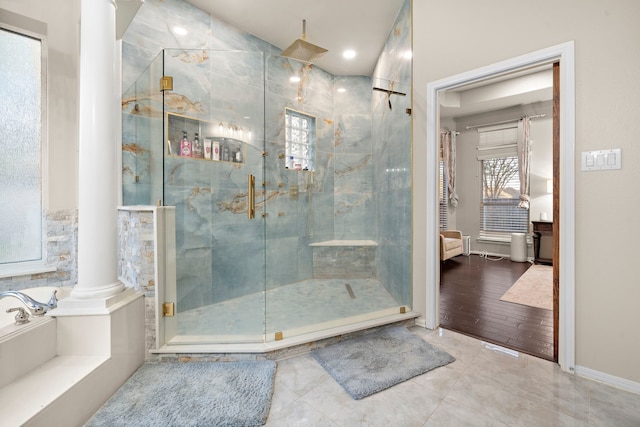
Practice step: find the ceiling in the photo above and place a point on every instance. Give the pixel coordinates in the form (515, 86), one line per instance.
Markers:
(522, 87)
(336, 25)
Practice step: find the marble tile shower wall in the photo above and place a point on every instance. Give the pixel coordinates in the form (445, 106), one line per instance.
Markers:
(302, 211)
(62, 252)
(391, 138)
(354, 217)
(219, 73)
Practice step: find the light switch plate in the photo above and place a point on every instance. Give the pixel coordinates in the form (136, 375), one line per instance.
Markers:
(601, 160)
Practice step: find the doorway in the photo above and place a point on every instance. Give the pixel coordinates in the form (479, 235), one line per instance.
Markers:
(487, 122)
(564, 55)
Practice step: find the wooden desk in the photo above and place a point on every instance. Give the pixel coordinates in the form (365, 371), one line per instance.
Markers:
(542, 230)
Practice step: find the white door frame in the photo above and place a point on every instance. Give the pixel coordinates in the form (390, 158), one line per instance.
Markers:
(563, 53)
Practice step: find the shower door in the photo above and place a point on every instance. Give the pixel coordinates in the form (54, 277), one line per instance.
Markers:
(213, 174)
(268, 247)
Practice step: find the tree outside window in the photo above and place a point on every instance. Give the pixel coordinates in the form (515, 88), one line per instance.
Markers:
(500, 196)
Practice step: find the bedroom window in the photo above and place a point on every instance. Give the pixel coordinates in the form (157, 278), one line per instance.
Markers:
(443, 197)
(499, 211)
(500, 183)
(300, 140)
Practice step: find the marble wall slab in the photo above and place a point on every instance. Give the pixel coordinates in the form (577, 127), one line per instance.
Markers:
(391, 138)
(222, 74)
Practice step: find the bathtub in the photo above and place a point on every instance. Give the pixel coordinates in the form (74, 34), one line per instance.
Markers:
(26, 346)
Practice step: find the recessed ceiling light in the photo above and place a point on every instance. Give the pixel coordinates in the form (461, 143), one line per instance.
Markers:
(349, 54)
(294, 79)
(180, 31)
(341, 90)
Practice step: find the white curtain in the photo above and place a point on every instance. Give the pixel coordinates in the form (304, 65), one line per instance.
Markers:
(524, 151)
(448, 144)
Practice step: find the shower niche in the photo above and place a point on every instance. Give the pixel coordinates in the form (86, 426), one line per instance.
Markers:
(204, 140)
(250, 279)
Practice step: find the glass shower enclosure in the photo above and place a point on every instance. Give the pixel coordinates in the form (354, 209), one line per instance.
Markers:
(292, 199)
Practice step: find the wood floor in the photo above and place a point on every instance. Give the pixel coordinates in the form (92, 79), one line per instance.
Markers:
(470, 291)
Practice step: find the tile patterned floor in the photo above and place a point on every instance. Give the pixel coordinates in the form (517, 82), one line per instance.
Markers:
(483, 387)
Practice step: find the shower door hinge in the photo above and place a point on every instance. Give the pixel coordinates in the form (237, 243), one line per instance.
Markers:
(279, 336)
(168, 309)
(265, 153)
(166, 83)
(403, 310)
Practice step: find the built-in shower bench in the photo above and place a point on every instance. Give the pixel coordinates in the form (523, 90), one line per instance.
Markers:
(337, 259)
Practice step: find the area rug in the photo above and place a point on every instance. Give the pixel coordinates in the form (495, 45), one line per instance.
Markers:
(534, 288)
(192, 394)
(378, 360)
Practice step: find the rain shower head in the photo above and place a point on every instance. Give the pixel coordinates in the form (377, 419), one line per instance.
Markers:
(302, 50)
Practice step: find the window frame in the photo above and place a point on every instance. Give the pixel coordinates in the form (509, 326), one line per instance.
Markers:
(499, 235)
(312, 139)
(496, 141)
(443, 197)
(33, 29)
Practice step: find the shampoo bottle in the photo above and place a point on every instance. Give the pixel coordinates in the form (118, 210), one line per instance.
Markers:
(197, 147)
(185, 145)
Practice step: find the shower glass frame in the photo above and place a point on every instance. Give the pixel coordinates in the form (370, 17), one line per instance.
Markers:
(296, 212)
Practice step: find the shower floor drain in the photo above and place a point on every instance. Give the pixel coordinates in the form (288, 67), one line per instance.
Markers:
(350, 290)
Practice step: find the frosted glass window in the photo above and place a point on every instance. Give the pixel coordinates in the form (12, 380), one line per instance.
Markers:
(300, 141)
(20, 145)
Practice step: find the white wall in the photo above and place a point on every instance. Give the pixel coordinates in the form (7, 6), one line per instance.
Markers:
(605, 32)
(63, 35)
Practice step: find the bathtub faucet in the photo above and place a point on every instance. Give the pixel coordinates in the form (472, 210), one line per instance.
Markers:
(36, 308)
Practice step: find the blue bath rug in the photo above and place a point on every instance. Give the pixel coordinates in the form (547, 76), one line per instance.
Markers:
(378, 360)
(192, 394)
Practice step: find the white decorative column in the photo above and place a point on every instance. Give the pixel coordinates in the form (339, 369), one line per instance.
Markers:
(101, 325)
(98, 192)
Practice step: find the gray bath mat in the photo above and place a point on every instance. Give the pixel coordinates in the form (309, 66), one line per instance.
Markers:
(378, 360)
(192, 394)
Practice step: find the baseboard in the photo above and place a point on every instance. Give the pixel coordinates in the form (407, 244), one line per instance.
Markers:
(608, 379)
(421, 321)
(491, 254)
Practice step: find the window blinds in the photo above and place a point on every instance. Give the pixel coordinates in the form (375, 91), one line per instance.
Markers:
(498, 141)
(497, 153)
(443, 197)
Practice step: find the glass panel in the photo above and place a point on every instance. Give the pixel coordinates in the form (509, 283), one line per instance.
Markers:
(220, 260)
(247, 280)
(20, 145)
(142, 148)
(391, 194)
(338, 237)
